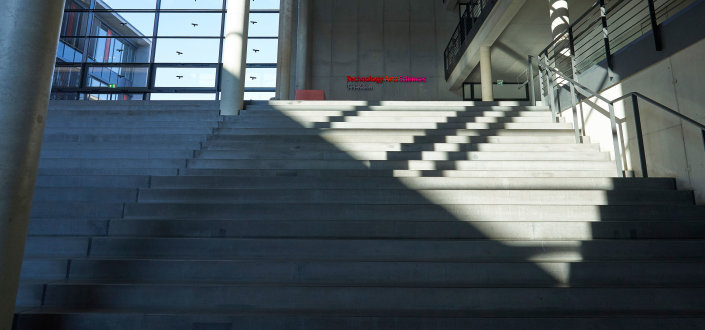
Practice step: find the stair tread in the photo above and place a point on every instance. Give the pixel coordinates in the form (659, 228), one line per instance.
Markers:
(349, 214)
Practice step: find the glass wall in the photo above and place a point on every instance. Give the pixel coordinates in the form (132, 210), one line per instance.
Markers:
(157, 49)
(262, 46)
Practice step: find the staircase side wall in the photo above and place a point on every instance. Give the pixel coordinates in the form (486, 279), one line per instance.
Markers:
(673, 148)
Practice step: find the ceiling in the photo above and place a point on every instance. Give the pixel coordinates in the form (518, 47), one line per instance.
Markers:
(527, 34)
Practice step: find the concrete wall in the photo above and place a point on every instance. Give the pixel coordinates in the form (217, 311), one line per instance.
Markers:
(380, 38)
(673, 148)
(674, 77)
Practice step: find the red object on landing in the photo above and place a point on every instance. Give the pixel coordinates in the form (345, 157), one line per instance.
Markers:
(310, 94)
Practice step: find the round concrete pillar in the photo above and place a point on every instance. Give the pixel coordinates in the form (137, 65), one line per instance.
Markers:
(302, 46)
(29, 34)
(286, 20)
(486, 74)
(234, 57)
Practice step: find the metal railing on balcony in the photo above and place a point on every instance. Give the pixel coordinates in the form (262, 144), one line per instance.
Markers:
(605, 28)
(471, 19)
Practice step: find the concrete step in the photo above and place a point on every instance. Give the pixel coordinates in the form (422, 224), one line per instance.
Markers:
(102, 163)
(475, 104)
(119, 115)
(311, 121)
(387, 249)
(95, 181)
(74, 194)
(486, 130)
(134, 138)
(402, 155)
(57, 247)
(129, 130)
(68, 227)
(466, 165)
(377, 300)
(379, 183)
(130, 123)
(343, 137)
(397, 107)
(303, 113)
(376, 273)
(29, 294)
(382, 124)
(375, 196)
(142, 146)
(44, 269)
(398, 173)
(547, 230)
(372, 146)
(134, 105)
(410, 212)
(109, 153)
(83, 210)
(87, 319)
(111, 171)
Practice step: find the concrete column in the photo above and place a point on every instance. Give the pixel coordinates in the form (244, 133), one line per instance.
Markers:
(286, 16)
(234, 57)
(486, 74)
(26, 67)
(302, 46)
(560, 21)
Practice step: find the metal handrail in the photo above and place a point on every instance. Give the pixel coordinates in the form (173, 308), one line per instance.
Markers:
(635, 96)
(662, 107)
(575, 83)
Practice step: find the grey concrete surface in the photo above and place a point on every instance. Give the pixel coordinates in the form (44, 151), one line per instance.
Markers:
(303, 45)
(306, 215)
(234, 57)
(26, 66)
(380, 38)
(284, 53)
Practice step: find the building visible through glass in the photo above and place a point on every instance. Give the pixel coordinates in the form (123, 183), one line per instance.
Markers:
(166, 50)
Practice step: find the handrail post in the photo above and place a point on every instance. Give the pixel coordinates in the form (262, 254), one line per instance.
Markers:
(576, 125)
(572, 53)
(605, 35)
(574, 100)
(615, 141)
(551, 89)
(639, 136)
(532, 96)
(656, 30)
(542, 88)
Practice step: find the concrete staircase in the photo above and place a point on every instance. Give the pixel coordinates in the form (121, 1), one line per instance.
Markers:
(341, 215)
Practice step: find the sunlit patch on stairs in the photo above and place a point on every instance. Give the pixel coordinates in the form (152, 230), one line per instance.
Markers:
(346, 215)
